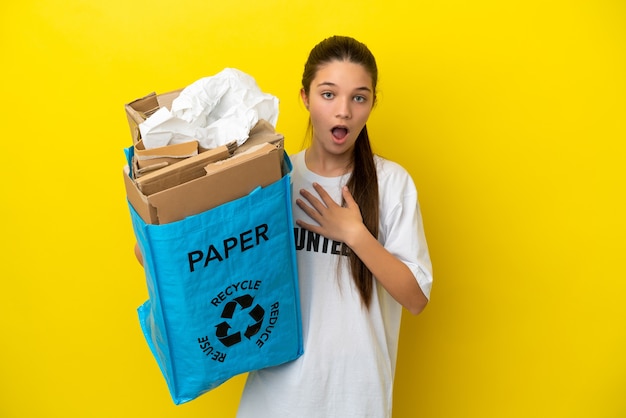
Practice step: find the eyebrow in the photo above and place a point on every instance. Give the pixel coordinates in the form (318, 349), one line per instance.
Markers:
(328, 83)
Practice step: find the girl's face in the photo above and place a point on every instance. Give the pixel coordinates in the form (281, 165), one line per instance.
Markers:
(340, 100)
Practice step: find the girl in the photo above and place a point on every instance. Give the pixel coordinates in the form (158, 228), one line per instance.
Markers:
(361, 252)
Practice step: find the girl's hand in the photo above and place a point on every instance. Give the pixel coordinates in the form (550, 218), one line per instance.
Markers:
(138, 254)
(344, 224)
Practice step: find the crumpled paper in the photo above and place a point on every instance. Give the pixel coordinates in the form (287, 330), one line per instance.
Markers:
(214, 111)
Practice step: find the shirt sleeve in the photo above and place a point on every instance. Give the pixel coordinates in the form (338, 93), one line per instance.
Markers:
(401, 225)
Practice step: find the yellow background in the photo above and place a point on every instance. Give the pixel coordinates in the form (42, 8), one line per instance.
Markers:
(510, 115)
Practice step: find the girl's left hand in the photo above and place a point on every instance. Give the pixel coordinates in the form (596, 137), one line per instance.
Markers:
(334, 221)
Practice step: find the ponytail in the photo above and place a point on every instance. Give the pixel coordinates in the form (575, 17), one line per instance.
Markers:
(363, 185)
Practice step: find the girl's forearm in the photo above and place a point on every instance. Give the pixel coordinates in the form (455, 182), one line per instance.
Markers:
(390, 272)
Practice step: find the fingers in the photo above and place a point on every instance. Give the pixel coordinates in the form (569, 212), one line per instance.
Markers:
(324, 196)
(326, 201)
(313, 212)
(313, 228)
(316, 209)
(138, 254)
(347, 196)
(330, 218)
(320, 205)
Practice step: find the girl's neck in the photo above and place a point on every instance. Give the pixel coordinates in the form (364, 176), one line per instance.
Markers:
(327, 165)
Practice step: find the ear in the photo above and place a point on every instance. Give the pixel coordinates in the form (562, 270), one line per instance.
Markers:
(305, 98)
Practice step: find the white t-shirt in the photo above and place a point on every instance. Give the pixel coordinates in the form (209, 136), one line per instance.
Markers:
(349, 359)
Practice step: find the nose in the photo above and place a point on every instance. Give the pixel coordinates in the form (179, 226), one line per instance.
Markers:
(344, 108)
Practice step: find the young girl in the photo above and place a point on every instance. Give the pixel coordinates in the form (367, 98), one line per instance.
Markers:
(361, 252)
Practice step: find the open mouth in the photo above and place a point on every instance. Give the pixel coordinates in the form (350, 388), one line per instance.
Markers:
(339, 132)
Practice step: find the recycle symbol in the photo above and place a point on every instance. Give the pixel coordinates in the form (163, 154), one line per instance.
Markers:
(244, 302)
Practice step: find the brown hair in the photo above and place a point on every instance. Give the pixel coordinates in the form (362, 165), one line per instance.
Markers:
(363, 182)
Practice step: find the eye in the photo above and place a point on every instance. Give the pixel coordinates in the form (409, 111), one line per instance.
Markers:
(328, 95)
(360, 99)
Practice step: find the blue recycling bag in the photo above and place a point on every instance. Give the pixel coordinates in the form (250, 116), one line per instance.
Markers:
(223, 291)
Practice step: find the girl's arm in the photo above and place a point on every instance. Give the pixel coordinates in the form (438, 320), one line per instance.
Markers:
(345, 224)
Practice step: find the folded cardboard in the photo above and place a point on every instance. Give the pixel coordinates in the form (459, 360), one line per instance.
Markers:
(140, 109)
(181, 172)
(163, 156)
(184, 170)
(222, 182)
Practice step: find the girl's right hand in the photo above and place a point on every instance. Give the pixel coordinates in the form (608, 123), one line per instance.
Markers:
(138, 254)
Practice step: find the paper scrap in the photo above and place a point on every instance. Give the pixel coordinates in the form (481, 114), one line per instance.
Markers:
(214, 111)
